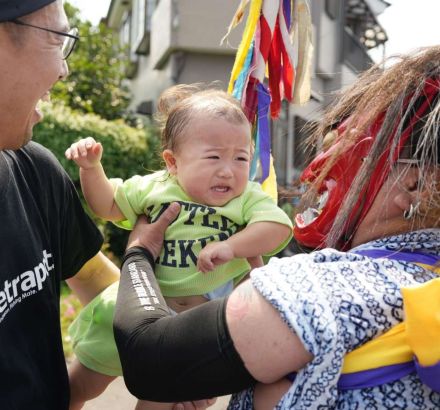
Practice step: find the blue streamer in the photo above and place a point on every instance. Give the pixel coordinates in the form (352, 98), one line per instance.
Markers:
(287, 13)
(240, 82)
(263, 130)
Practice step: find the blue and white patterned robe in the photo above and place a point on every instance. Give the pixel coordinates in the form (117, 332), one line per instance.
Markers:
(335, 302)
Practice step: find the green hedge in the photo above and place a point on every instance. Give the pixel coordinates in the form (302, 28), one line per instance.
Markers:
(127, 151)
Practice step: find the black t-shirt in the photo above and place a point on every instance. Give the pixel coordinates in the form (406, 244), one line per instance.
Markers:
(45, 236)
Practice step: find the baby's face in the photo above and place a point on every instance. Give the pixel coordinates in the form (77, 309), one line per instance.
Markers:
(212, 160)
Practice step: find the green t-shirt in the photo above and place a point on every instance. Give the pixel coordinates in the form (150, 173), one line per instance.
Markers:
(196, 225)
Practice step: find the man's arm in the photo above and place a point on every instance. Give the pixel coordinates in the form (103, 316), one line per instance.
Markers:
(277, 351)
(96, 275)
(151, 341)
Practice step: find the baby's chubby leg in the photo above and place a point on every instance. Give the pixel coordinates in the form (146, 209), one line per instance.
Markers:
(85, 384)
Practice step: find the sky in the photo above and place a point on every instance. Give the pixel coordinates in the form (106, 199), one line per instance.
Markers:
(408, 23)
(92, 10)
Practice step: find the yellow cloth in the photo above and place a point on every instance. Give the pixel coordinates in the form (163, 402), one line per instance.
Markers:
(385, 350)
(418, 335)
(422, 323)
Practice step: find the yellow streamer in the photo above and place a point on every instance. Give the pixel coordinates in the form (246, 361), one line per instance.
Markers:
(248, 34)
(269, 185)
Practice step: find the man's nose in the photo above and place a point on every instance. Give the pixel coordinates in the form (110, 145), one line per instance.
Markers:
(64, 70)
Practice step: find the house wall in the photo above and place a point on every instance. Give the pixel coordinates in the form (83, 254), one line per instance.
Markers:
(185, 47)
(194, 26)
(205, 68)
(201, 25)
(148, 84)
(328, 53)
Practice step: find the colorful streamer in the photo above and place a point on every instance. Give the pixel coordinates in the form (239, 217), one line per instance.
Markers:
(267, 50)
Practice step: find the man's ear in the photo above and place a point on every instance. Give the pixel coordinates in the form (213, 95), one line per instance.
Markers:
(410, 193)
(170, 161)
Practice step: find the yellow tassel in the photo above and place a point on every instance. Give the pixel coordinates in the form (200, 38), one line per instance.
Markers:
(269, 185)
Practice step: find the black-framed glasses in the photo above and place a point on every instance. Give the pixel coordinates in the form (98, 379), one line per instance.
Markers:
(70, 38)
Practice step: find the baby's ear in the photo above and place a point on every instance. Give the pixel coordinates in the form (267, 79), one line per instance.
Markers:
(170, 161)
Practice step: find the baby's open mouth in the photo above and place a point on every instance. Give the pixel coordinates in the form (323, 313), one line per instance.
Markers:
(220, 188)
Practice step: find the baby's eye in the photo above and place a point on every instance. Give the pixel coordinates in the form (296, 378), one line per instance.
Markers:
(213, 157)
(242, 159)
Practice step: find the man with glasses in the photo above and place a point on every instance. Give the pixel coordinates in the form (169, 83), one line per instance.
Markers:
(45, 235)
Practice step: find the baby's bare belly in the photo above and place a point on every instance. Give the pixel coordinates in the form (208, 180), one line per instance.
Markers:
(181, 303)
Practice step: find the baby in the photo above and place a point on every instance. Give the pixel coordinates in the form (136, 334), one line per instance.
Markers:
(224, 221)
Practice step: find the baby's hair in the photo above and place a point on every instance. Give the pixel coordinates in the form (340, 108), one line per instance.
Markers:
(179, 104)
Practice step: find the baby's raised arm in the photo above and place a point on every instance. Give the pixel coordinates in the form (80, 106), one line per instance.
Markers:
(96, 187)
(256, 239)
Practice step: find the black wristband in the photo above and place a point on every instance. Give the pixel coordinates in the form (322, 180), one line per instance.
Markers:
(138, 250)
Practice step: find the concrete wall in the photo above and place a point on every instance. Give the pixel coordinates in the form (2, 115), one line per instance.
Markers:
(328, 39)
(202, 24)
(193, 26)
(149, 83)
(162, 33)
(206, 68)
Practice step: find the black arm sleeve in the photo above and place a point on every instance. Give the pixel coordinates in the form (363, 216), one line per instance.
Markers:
(166, 358)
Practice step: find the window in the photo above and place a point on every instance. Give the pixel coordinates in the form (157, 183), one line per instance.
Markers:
(142, 13)
(151, 6)
(124, 32)
(138, 24)
(332, 8)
